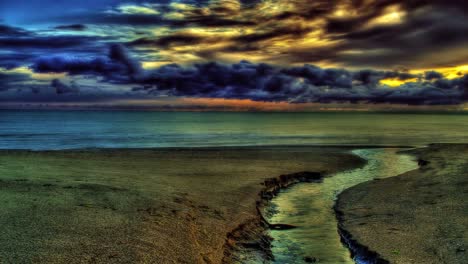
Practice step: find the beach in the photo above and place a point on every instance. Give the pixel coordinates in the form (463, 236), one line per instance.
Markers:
(179, 205)
(203, 205)
(417, 217)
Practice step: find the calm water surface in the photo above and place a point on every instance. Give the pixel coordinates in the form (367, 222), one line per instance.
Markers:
(309, 206)
(40, 130)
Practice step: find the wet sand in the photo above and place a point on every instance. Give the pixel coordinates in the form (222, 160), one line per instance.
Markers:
(142, 206)
(418, 217)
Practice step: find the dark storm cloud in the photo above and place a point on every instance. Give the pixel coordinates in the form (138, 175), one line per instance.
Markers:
(121, 19)
(421, 28)
(12, 31)
(167, 41)
(75, 27)
(118, 66)
(294, 31)
(263, 82)
(431, 75)
(73, 65)
(9, 80)
(13, 60)
(62, 88)
(19, 46)
(427, 27)
(48, 42)
(119, 54)
(20, 86)
(418, 37)
(211, 21)
(191, 18)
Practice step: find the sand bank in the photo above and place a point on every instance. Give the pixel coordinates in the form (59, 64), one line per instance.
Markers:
(418, 217)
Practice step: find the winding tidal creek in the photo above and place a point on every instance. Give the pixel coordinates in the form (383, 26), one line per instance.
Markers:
(309, 206)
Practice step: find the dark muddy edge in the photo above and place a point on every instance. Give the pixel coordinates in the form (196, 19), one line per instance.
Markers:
(359, 251)
(251, 236)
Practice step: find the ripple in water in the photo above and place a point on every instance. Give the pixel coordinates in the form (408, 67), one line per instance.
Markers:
(310, 207)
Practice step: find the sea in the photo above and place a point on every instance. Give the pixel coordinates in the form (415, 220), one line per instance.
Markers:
(53, 130)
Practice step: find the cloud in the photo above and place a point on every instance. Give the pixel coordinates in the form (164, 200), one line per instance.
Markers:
(119, 54)
(300, 51)
(136, 9)
(167, 41)
(13, 60)
(12, 31)
(9, 80)
(263, 82)
(431, 75)
(118, 66)
(73, 27)
(73, 65)
(389, 34)
(381, 34)
(19, 47)
(62, 88)
(48, 42)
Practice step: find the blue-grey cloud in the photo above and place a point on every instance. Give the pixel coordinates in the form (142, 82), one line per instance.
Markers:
(6, 30)
(9, 80)
(76, 65)
(432, 75)
(72, 27)
(62, 88)
(263, 82)
(14, 59)
(47, 42)
(117, 66)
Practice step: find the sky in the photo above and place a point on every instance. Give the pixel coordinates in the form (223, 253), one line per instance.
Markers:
(234, 55)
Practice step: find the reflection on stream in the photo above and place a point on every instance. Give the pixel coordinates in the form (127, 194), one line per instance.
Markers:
(309, 206)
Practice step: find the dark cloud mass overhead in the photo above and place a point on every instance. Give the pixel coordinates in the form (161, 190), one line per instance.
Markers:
(261, 82)
(296, 51)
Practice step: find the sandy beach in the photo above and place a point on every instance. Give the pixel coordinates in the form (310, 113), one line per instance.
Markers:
(199, 205)
(417, 217)
(144, 206)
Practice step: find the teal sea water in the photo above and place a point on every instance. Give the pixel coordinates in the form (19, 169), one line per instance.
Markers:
(40, 130)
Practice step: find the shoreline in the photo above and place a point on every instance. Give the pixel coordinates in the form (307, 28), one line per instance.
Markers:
(380, 220)
(207, 148)
(359, 250)
(356, 249)
(251, 234)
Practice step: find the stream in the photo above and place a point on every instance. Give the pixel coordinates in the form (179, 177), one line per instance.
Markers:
(310, 207)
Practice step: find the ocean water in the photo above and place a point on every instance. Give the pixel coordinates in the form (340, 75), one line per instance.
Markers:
(309, 206)
(43, 130)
